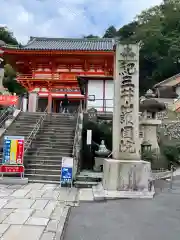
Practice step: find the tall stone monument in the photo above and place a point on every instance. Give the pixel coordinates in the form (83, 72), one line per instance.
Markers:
(126, 172)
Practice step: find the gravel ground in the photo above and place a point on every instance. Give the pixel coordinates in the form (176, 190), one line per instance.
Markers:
(157, 219)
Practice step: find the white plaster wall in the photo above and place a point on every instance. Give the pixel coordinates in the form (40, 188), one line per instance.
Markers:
(109, 95)
(95, 87)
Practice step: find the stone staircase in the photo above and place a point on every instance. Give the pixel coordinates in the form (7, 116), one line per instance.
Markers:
(88, 179)
(22, 126)
(55, 140)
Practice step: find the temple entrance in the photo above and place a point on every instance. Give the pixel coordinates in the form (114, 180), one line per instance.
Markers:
(73, 105)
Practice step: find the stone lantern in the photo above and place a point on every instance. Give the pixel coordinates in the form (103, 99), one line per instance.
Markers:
(149, 121)
(145, 147)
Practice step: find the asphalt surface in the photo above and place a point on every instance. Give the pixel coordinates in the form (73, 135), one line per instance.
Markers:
(157, 219)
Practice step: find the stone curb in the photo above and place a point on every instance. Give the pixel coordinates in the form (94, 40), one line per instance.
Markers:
(61, 237)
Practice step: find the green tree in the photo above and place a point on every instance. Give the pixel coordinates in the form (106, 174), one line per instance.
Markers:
(91, 36)
(158, 30)
(7, 36)
(9, 80)
(110, 32)
(127, 31)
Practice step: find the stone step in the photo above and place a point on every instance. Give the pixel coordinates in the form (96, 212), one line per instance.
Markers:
(31, 180)
(24, 125)
(83, 184)
(44, 171)
(57, 133)
(88, 179)
(45, 161)
(50, 152)
(58, 128)
(61, 141)
(55, 136)
(27, 119)
(44, 166)
(54, 147)
(34, 157)
(38, 148)
(22, 131)
(17, 133)
(42, 177)
(60, 121)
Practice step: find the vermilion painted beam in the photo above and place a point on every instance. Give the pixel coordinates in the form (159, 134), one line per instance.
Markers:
(55, 52)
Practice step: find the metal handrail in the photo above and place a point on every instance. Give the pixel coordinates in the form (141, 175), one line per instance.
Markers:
(4, 113)
(35, 130)
(7, 114)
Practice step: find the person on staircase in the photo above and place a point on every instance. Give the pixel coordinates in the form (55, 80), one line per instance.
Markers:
(65, 104)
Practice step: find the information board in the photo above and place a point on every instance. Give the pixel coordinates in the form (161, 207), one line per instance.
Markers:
(67, 170)
(13, 153)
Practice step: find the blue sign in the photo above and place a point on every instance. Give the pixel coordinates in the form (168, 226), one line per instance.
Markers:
(6, 151)
(66, 175)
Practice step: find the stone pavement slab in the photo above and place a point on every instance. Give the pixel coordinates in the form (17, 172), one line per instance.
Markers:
(34, 211)
(23, 232)
(3, 228)
(19, 216)
(39, 204)
(58, 211)
(37, 221)
(20, 203)
(51, 194)
(48, 236)
(33, 194)
(6, 192)
(4, 213)
(34, 186)
(86, 194)
(52, 225)
(3, 202)
(20, 193)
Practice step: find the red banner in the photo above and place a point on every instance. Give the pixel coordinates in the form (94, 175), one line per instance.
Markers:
(8, 100)
(11, 169)
(20, 152)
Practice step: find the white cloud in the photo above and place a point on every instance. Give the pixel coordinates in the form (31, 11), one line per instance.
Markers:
(67, 18)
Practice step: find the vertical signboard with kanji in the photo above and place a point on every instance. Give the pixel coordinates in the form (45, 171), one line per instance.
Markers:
(67, 171)
(13, 153)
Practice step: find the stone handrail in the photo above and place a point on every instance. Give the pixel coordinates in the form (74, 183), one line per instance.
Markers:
(77, 140)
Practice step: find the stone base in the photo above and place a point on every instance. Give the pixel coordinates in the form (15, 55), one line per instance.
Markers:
(14, 181)
(98, 163)
(127, 179)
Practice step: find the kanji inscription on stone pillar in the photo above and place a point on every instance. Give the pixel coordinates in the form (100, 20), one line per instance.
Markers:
(126, 103)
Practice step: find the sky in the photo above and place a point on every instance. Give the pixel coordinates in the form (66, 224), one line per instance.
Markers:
(67, 18)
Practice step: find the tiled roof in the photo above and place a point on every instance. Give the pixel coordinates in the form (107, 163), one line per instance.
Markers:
(83, 44)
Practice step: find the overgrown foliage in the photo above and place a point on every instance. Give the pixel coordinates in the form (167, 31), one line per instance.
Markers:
(9, 80)
(158, 30)
(7, 36)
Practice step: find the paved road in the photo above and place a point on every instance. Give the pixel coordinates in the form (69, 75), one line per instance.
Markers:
(34, 212)
(157, 219)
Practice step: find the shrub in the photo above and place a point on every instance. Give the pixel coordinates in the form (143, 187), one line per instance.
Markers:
(157, 160)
